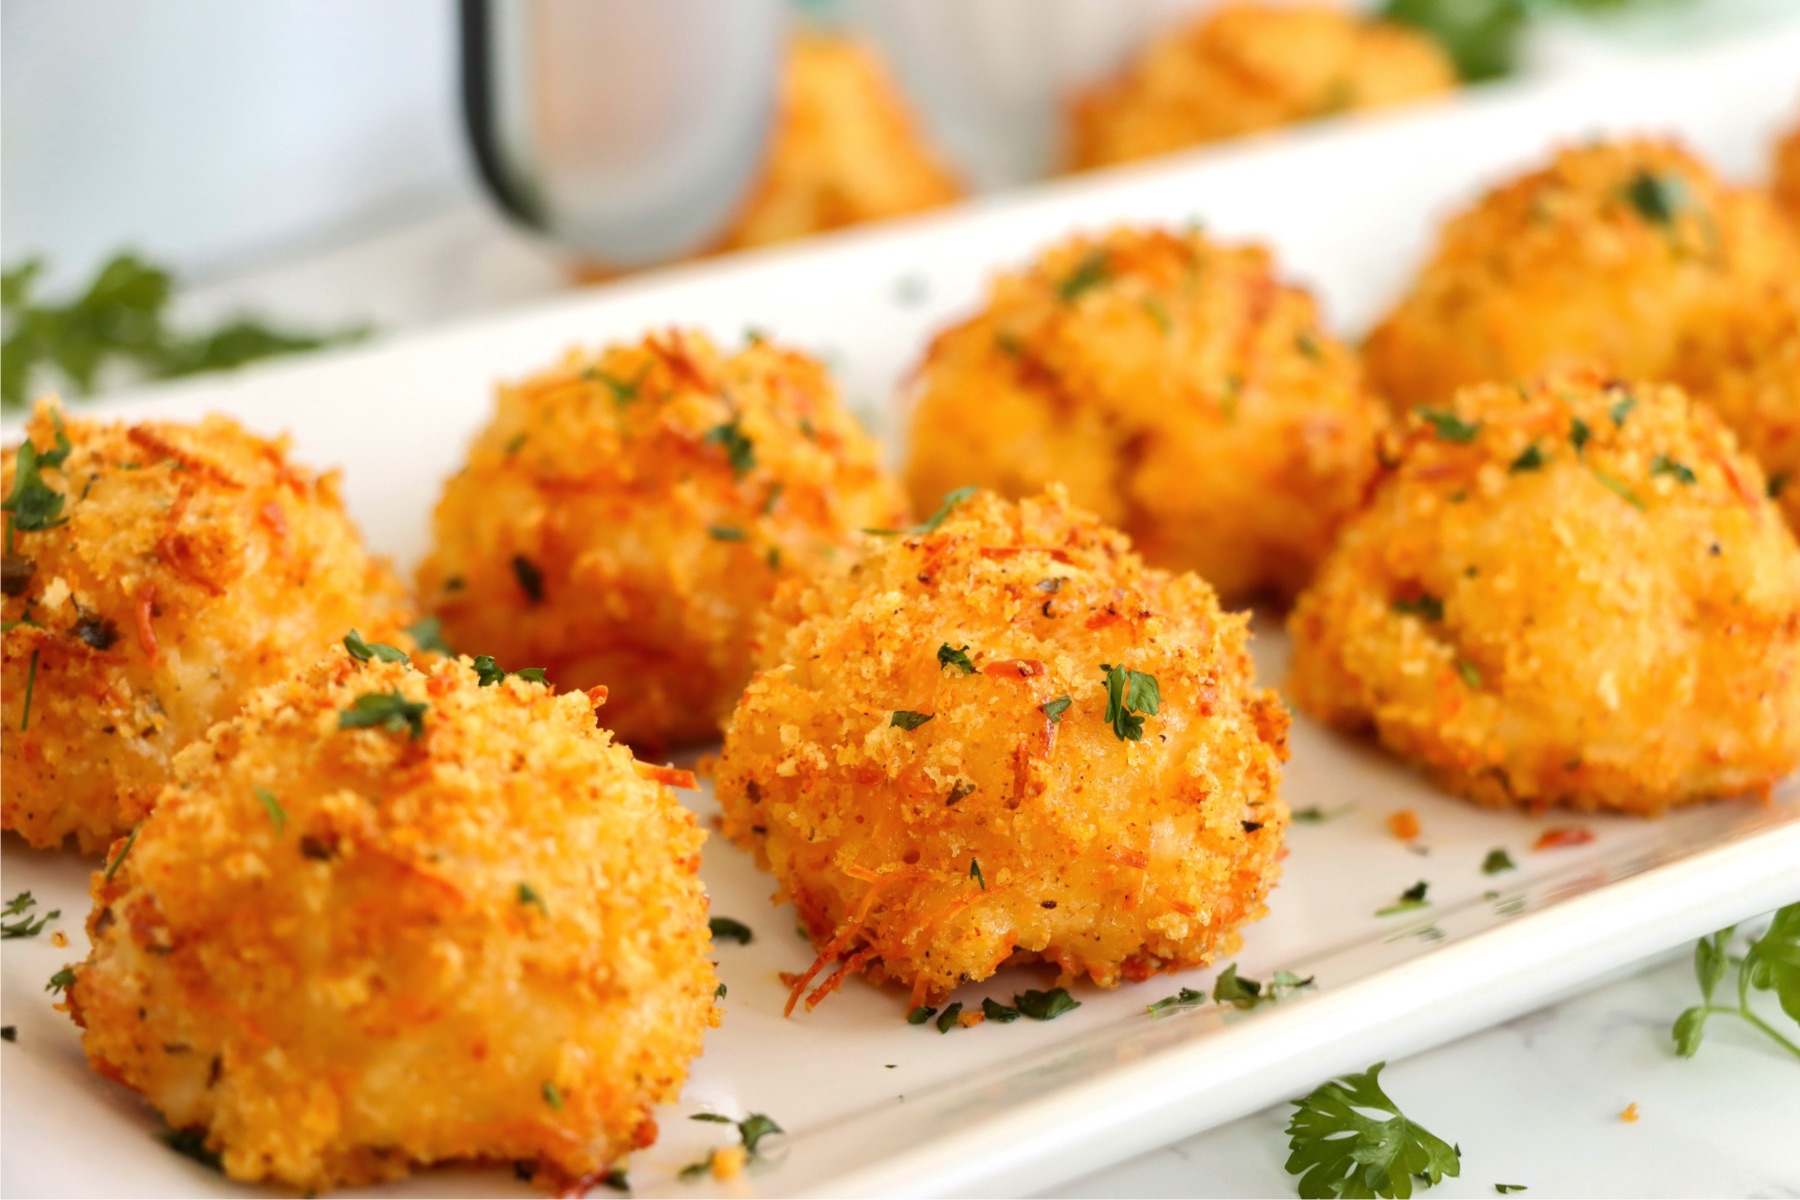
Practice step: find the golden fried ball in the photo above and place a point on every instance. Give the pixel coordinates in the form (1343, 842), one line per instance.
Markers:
(1787, 175)
(930, 766)
(625, 517)
(471, 931)
(176, 568)
(845, 149)
(1572, 592)
(1245, 67)
(1602, 258)
(1178, 389)
(1742, 358)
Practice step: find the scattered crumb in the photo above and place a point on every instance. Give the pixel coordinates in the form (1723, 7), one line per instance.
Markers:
(970, 1018)
(1404, 824)
(728, 1162)
(59, 939)
(1563, 835)
(1630, 1115)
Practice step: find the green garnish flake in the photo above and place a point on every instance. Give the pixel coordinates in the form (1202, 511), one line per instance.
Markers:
(951, 500)
(1662, 464)
(725, 533)
(1424, 605)
(719, 992)
(906, 719)
(1159, 314)
(623, 393)
(1618, 489)
(754, 1128)
(26, 926)
(1471, 674)
(1130, 697)
(530, 578)
(947, 1019)
(1497, 860)
(921, 1014)
(1771, 963)
(30, 688)
(773, 498)
(33, 504)
(1089, 273)
(975, 873)
(1181, 1001)
(1777, 482)
(1308, 347)
(955, 656)
(191, 1143)
(695, 1170)
(1657, 198)
(617, 1180)
(277, 815)
(552, 1096)
(363, 651)
(1530, 459)
(385, 710)
(529, 895)
(1339, 1150)
(1001, 1014)
(428, 633)
(739, 450)
(112, 868)
(1054, 709)
(516, 443)
(1412, 898)
(488, 672)
(1314, 815)
(1045, 1006)
(724, 929)
(1449, 426)
(1621, 409)
(711, 1118)
(1506, 1189)
(1579, 433)
(62, 981)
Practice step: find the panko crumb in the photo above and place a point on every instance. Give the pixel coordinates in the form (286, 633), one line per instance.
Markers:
(1570, 592)
(942, 700)
(728, 1162)
(187, 565)
(1244, 67)
(626, 515)
(1178, 389)
(466, 929)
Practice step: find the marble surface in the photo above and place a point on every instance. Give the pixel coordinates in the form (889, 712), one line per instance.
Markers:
(1535, 1101)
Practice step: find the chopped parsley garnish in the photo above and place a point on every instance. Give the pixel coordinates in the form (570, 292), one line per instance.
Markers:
(1579, 433)
(1054, 709)
(617, 1180)
(773, 498)
(1181, 1001)
(1130, 697)
(33, 504)
(1622, 408)
(1657, 198)
(26, 926)
(1777, 482)
(623, 393)
(277, 815)
(1339, 1150)
(905, 719)
(1471, 674)
(955, 656)
(1045, 1006)
(1504, 1189)
(552, 1095)
(1089, 273)
(62, 981)
(1619, 489)
(1530, 459)
(1423, 605)
(363, 651)
(725, 533)
(711, 1118)
(1239, 993)
(975, 873)
(1231, 988)
(531, 579)
(516, 444)
(1771, 963)
(390, 710)
(191, 1143)
(1449, 426)
(1497, 860)
(1314, 815)
(951, 500)
(739, 450)
(921, 1014)
(112, 868)
(754, 1128)
(696, 1169)
(488, 672)
(30, 687)
(1662, 464)
(1002, 1014)
(1412, 898)
(947, 1019)
(1158, 313)
(1308, 346)
(529, 895)
(724, 929)
(719, 992)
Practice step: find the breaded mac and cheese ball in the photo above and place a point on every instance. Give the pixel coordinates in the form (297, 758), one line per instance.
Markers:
(1001, 738)
(845, 149)
(1603, 259)
(1176, 386)
(1570, 592)
(155, 573)
(1245, 67)
(626, 515)
(386, 918)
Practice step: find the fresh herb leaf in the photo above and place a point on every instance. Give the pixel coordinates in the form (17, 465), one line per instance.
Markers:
(955, 656)
(112, 868)
(1181, 1001)
(975, 873)
(739, 450)
(725, 533)
(277, 814)
(1505, 1189)
(617, 1180)
(1228, 988)
(906, 719)
(951, 500)
(1620, 410)
(62, 981)
(1424, 605)
(947, 1019)
(363, 651)
(33, 504)
(1530, 459)
(26, 926)
(1619, 489)
(1003, 1014)
(516, 443)
(1449, 426)
(1412, 898)
(1659, 199)
(623, 393)
(712, 1118)
(391, 711)
(191, 1143)
(1314, 815)
(552, 1095)
(1662, 464)
(695, 1170)
(1471, 674)
(30, 688)
(1054, 709)
(1339, 1150)
(488, 672)
(1130, 697)
(529, 895)
(1497, 860)
(531, 579)
(773, 498)
(754, 1128)
(1481, 37)
(724, 929)
(921, 1014)
(1159, 314)
(1089, 273)
(1579, 433)
(428, 632)
(1045, 1006)
(1771, 963)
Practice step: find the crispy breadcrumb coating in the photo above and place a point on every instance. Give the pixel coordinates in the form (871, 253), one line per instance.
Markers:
(1177, 388)
(1244, 67)
(929, 766)
(1603, 258)
(187, 565)
(1572, 592)
(625, 517)
(475, 932)
(845, 149)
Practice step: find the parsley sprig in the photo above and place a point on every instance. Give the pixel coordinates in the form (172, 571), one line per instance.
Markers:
(751, 1130)
(488, 672)
(1339, 1150)
(27, 926)
(386, 710)
(1130, 697)
(1771, 963)
(930, 524)
(1233, 989)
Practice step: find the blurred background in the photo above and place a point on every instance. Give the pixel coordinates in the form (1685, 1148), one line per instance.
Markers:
(492, 150)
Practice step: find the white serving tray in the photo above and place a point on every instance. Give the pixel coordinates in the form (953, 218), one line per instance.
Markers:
(873, 1105)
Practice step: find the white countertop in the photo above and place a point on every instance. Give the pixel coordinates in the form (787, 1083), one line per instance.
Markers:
(1535, 1101)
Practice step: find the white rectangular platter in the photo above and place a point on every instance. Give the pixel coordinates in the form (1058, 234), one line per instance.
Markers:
(871, 1104)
